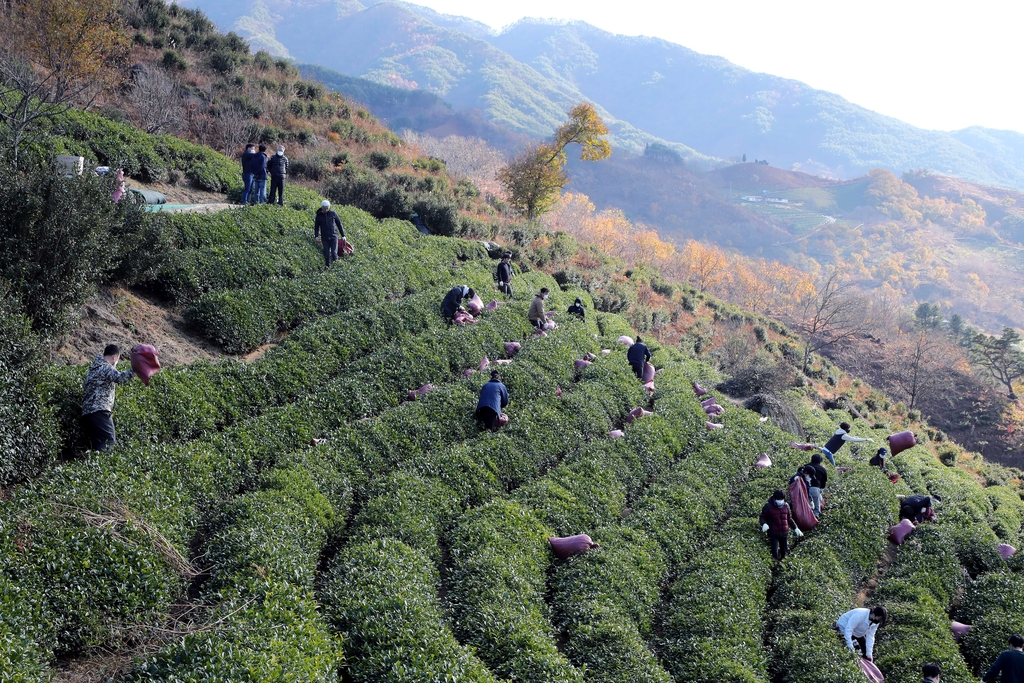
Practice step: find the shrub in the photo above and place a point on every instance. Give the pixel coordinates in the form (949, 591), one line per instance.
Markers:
(173, 61)
(380, 595)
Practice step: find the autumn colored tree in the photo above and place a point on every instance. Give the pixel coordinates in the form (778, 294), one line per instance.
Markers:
(534, 179)
(707, 266)
(1000, 358)
(53, 54)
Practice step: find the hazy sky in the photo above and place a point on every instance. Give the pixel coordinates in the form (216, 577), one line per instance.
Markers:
(935, 64)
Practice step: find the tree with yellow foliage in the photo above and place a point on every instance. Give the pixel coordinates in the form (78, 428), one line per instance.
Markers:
(55, 53)
(534, 179)
(707, 267)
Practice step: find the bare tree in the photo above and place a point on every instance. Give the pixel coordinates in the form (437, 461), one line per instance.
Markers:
(1000, 357)
(464, 157)
(54, 54)
(156, 101)
(833, 313)
(235, 128)
(920, 364)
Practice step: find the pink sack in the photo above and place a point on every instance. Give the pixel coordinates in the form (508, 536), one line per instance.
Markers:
(550, 325)
(475, 305)
(637, 413)
(564, 548)
(648, 375)
(503, 419)
(1006, 550)
(605, 352)
(590, 357)
(422, 391)
(145, 363)
(628, 341)
(581, 363)
(345, 247)
(699, 390)
(959, 630)
(558, 392)
(493, 304)
(616, 434)
(120, 189)
(900, 442)
(899, 533)
(713, 425)
(763, 461)
(461, 318)
(467, 372)
(803, 446)
(707, 402)
(870, 671)
(512, 348)
(714, 411)
(800, 504)
(894, 478)
(649, 387)
(540, 333)
(484, 363)
(929, 515)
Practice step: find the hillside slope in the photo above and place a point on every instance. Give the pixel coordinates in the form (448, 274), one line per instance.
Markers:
(403, 542)
(523, 76)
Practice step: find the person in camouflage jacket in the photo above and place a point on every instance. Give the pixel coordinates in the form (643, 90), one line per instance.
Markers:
(98, 400)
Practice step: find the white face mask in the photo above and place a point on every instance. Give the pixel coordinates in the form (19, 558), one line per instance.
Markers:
(280, 153)
(545, 296)
(778, 503)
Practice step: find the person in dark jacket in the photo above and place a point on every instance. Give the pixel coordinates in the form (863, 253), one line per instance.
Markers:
(637, 355)
(878, 459)
(452, 301)
(417, 221)
(504, 274)
(819, 478)
(258, 167)
(99, 387)
(915, 508)
(493, 397)
(325, 234)
(837, 441)
(247, 155)
(776, 519)
(277, 167)
(577, 310)
(931, 673)
(1009, 663)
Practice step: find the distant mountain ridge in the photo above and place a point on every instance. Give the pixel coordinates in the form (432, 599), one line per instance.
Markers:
(651, 90)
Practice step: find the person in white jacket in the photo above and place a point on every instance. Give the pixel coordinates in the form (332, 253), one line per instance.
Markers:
(860, 625)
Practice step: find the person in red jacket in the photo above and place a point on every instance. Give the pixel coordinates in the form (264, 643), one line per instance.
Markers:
(777, 520)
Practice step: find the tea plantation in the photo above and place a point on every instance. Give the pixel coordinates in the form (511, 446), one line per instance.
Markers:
(296, 518)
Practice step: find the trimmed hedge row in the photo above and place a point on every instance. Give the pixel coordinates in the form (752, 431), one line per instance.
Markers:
(394, 635)
(929, 569)
(141, 155)
(604, 603)
(994, 606)
(712, 630)
(496, 586)
(103, 544)
(816, 583)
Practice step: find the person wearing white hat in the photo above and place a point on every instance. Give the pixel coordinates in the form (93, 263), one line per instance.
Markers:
(324, 231)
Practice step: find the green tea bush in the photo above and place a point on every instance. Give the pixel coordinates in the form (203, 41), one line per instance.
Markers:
(499, 554)
(713, 620)
(604, 603)
(381, 597)
(265, 630)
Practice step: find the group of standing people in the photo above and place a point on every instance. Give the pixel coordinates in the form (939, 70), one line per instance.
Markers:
(256, 168)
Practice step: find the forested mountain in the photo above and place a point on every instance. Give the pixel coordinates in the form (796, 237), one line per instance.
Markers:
(525, 76)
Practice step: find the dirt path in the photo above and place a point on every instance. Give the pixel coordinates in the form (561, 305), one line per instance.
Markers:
(867, 591)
